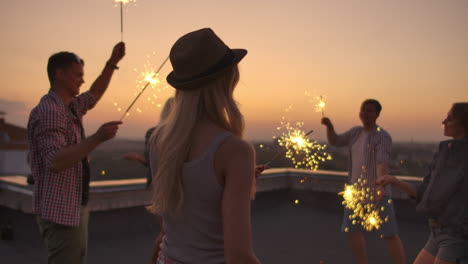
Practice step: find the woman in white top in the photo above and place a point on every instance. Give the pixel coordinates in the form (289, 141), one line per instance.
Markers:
(203, 170)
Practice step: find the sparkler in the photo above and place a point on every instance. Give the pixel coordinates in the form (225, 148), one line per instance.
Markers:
(318, 102)
(147, 75)
(320, 106)
(361, 200)
(150, 79)
(299, 140)
(122, 2)
(299, 148)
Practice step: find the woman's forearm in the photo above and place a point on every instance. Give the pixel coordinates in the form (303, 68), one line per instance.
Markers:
(407, 187)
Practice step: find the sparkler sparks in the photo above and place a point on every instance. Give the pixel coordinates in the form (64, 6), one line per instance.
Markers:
(320, 106)
(303, 152)
(361, 200)
(150, 78)
(373, 221)
(319, 102)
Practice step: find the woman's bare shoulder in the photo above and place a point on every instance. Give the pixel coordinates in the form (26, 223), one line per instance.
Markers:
(235, 145)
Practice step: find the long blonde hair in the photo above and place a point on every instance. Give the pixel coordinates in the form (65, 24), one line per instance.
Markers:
(212, 101)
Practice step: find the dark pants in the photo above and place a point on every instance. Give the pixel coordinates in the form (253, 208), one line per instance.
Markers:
(66, 244)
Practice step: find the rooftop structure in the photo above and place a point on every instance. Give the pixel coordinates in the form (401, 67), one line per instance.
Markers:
(13, 148)
(296, 218)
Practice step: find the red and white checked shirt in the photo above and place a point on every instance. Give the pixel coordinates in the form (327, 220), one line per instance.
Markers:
(57, 195)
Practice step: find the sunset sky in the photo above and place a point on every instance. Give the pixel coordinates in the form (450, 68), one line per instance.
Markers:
(410, 55)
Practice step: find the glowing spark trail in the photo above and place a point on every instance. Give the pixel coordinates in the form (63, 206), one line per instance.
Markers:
(284, 151)
(149, 80)
(361, 200)
(319, 102)
(303, 152)
(320, 106)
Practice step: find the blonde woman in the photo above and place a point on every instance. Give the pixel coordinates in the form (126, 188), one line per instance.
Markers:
(203, 169)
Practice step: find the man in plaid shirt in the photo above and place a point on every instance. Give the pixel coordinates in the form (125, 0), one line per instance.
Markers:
(59, 150)
(369, 156)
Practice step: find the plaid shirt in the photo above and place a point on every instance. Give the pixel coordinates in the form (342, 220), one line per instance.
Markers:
(51, 127)
(377, 151)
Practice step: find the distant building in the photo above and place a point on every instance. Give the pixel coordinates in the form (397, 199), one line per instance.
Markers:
(13, 149)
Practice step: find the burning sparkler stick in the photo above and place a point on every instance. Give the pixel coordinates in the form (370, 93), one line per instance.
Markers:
(121, 21)
(318, 102)
(285, 150)
(320, 106)
(122, 2)
(149, 79)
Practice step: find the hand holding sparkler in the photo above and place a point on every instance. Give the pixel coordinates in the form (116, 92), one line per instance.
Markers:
(327, 122)
(387, 179)
(100, 85)
(118, 52)
(331, 134)
(106, 131)
(403, 185)
(258, 170)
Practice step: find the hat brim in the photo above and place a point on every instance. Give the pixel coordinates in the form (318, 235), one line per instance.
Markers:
(195, 82)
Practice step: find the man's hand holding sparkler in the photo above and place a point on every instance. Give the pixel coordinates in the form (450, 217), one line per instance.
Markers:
(67, 156)
(327, 122)
(331, 134)
(102, 82)
(117, 54)
(106, 131)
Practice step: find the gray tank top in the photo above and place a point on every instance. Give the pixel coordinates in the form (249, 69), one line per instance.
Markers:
(195, 235)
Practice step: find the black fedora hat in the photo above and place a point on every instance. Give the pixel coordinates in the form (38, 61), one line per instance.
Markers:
(198, 57)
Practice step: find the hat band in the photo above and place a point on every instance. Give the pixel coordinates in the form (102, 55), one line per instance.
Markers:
(225, 61)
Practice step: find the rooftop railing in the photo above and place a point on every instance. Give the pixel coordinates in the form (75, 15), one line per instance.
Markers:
(16, 193)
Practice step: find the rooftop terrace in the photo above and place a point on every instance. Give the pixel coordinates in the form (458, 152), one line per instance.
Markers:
(121, 231)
